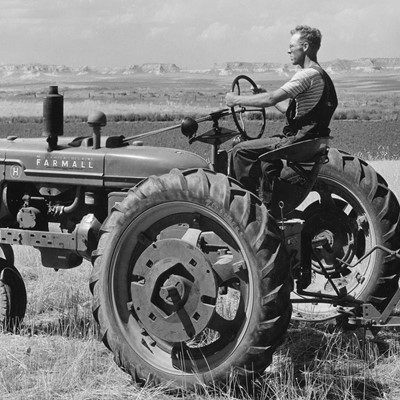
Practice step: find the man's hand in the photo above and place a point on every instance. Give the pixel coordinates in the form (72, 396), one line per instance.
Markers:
(232, 99)
(259, 89)
(287, 141)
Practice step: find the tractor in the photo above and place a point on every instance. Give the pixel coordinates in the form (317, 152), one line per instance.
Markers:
(195, 280)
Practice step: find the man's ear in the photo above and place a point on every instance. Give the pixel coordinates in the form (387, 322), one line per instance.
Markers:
(306, 46)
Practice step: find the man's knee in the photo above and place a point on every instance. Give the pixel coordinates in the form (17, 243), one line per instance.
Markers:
(234, 151)
(241, 146)
(272, 168)
(270, 172)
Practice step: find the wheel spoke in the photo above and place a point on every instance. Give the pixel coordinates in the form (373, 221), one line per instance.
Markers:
(327, 199)
(298, 214)
(224, 272)
(192, 236)
(227, 267)
(343, 205)
(346, 208)
(230, 316)
(186, 322)
(225, 327)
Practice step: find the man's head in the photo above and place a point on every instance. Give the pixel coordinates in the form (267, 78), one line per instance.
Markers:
(305, 41)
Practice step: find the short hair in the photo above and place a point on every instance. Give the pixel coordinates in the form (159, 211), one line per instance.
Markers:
(312, 35)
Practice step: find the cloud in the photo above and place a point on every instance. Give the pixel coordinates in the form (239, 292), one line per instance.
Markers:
(157, 31)
(217, 31)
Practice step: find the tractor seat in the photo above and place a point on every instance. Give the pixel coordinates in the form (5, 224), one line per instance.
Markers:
(304, 151)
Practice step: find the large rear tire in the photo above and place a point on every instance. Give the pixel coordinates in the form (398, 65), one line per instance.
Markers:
(351, 207)
(190, 283)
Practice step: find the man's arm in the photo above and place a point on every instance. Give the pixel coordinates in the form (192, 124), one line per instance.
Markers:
(258, 100)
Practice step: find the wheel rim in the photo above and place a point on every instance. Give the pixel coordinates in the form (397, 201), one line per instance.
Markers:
(337, 217)
(171, 309)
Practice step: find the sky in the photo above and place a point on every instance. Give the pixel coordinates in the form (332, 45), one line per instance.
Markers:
(190, 33)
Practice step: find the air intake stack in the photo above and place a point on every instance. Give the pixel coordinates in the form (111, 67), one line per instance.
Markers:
(53, 117)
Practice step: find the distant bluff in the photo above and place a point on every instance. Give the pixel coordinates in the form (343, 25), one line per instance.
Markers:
(36, 71)
(335, 66)
(363, 65)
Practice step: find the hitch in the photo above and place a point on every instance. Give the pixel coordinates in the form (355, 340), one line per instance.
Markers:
(359, 314)
(370, 317)
(302, 249)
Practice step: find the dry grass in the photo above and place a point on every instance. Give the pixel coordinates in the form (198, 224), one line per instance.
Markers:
(317, 363)
(56, 355)
(52, 366)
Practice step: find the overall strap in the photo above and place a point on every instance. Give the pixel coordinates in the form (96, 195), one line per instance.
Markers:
(321, 114)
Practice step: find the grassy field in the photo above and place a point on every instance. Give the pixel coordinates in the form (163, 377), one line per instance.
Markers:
(372, 96)
(57, 355)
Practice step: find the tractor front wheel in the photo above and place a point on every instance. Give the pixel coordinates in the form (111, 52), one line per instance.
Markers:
(190, 283)
(12, 296)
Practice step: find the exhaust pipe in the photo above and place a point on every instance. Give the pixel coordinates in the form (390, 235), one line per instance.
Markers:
(53, 117)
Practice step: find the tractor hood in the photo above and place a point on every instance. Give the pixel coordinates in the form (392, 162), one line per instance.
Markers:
(133, 163)
(75, 162)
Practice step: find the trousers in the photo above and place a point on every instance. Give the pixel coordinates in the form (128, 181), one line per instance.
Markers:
(251, 172)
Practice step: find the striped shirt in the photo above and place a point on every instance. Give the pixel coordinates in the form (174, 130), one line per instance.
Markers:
(306, 86)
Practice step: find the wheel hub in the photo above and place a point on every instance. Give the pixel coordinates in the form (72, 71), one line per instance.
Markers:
(326, 235)
(173, 290)
(332, 229)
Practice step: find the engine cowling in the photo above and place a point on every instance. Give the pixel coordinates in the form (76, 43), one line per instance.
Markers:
(27, 160)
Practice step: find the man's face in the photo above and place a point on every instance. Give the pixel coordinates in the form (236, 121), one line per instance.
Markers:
(296, 49)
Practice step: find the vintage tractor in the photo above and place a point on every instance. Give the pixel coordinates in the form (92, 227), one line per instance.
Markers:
(194, 279)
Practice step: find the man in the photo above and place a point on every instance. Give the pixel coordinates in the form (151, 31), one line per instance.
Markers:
(312, 103)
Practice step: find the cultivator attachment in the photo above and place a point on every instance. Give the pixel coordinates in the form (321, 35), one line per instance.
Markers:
(358, 313)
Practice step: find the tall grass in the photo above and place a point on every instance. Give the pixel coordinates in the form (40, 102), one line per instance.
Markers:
(319, 363)
(59, 301)
(54, 367)
(57, 354)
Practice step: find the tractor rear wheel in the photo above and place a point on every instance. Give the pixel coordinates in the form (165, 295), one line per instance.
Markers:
(352, 209)
(190, 283)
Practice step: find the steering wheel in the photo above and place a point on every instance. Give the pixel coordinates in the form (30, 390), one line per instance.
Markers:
(241, 125)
